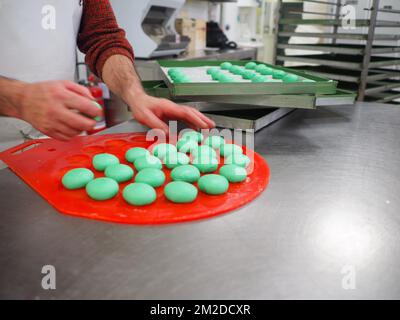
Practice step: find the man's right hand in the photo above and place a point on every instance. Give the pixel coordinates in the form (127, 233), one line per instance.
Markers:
(57, 108)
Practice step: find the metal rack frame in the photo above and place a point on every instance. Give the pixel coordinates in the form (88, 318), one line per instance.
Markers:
(362, 67)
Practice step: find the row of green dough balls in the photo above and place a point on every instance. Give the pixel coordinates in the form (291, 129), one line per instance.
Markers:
(262, 69)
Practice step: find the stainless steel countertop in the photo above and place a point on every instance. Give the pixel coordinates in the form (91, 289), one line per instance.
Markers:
(332, 207)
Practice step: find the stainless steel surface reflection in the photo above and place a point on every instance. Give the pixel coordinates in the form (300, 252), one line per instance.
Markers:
(327, 226)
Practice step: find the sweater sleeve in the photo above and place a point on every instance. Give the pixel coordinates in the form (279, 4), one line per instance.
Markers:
(99, 35)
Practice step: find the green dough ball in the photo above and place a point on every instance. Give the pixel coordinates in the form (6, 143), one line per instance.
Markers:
(235, 69)
(260, 67)
(193, 135)
(233, 173)
(162, 149)
(175, 159)
(279, 74)
(214, 142)
(224, 78)
(147, 162)
(212, 71)
(77, 178)
(226, 66)
(187, 173)
(181, 79)
(259, 79)
(174, 72)
(102, 160)
(139, 194)
(186, 145)
(133, 153)
(206, 164)
(119, 172)
(238, 159)
(180, 192)
(267, 71)
(251, 65)
(215, 76)
(150, 176)
(290, 78)
(228, 149)
(213, 184)
(102, 188)
(248, 75)
(204, 151)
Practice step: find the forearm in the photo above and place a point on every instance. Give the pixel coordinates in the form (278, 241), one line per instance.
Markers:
(121, 78)
(10, 97)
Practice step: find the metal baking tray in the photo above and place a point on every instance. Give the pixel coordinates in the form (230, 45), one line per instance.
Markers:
(304, 101)
(320, 85)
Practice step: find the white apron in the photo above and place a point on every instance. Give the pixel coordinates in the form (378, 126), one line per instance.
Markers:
(37, 43)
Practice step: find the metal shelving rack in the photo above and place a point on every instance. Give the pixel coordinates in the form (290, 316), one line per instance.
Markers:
(358, 67)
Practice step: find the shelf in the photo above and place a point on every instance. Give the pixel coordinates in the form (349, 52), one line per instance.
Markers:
(348, 36)
(338, 22)
(350, 62)
(349, 75)
(381, 86)
(387, 96)
(340, 48)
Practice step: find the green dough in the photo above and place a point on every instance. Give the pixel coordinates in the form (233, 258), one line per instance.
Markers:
(260, 67)
(133, 153)
(215, 76)
(212, 71)
(278, 74)
(238, 159)
(148, 162)
(251, 65)
(204, 151)
(180, 192)
(248, 75)
(102, 160)
(193, 135)
(174, 72)
(213, 184)
(139, 194)
(186, 145)
(181, 79)
(226, 66)
(308, 80)
(267, 71)
(102, 188)
(259, 79)
(187, 173)
(214, 142)
(77, 178)
(290, 78)
(224, 78)
(119, 172)
(206, 164)
(233, 173)
(175, 159)
(150, 176)
(228, 149)
(236, 70)
(162, 149)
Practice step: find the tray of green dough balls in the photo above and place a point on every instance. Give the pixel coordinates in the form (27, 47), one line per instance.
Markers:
(193, 78)
(125, 178)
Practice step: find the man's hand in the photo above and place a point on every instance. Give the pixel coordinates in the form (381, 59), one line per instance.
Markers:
(121, 77)
(155, 113)
(52, 108)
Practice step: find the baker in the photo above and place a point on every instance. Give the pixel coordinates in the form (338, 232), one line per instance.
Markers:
(38, 42)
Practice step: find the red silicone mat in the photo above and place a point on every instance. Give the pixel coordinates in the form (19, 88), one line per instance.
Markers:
(42, 163)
